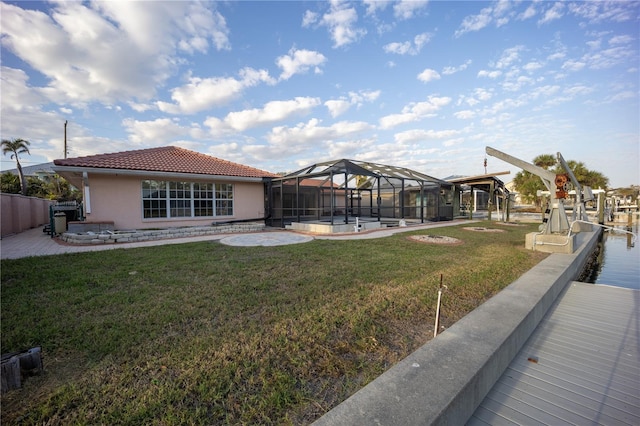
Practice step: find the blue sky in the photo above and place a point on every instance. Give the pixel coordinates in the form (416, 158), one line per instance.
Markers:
(282, 85)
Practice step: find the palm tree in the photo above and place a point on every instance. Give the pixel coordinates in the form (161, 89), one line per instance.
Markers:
(15, 147)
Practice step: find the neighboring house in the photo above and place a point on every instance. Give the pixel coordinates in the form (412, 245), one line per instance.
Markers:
(39, 170)
(165, 187)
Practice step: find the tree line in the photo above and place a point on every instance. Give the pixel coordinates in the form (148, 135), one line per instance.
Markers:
(51, 187)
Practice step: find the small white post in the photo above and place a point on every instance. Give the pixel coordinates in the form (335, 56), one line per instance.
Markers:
(437, 324)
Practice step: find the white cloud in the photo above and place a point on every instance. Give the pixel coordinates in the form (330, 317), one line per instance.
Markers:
(272, 112)
(154, 132)
(479, 95)
(22, 110)
(475, 22)
(309, 18)
(408, 47)
(453, 70)
(373, 6)
(532, 66)
(299, 61)
(428, 75)
(190, 24)
(621, 39)
(529, 13)
(465, 114)
(204, 93)
(499, 13)
(140, 107)
(572, 65)
(421, 135)
(553, 13)
(556, 56)
(113, 50)
(515, 84)
(509, 56)
(340, 20)
(17, 95)
(303, 134)
(482, 94)
(415, 111)
(608, 58)
(598, 11)
(407, 9)
(594, 44)
(544, 91)
(577, 90)
(490, 74)
(349, 149)
(338, 107)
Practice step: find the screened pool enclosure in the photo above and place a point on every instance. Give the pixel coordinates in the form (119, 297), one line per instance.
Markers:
(346, 191)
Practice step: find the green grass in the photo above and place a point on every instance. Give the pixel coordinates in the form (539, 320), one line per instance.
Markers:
(205, 333)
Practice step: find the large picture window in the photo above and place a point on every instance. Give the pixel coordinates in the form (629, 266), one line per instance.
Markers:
(161, 199)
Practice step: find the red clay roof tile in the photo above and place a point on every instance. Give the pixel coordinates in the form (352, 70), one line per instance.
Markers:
(168, 159)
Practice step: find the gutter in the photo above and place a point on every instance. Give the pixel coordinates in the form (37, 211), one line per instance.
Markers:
(149, 173)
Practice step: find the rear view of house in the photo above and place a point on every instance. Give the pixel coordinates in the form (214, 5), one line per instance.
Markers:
(165, 187)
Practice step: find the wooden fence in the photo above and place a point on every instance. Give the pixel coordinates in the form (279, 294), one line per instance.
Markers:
(19, 213)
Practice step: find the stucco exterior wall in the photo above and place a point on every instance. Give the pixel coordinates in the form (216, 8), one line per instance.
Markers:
(19, 213)
(118, 199)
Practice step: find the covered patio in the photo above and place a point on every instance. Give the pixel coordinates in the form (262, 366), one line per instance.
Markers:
(350, 195)
(493, 195)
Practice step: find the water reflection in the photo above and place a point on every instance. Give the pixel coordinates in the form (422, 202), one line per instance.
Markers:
(619, 263)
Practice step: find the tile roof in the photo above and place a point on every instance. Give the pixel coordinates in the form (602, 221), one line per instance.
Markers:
(168, 159)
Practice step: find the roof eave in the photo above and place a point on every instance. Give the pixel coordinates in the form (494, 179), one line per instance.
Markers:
(151, 173)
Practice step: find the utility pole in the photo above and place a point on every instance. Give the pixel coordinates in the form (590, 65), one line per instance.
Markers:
(65, 138)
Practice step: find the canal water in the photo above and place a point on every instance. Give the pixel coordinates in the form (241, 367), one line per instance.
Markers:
(618, 262)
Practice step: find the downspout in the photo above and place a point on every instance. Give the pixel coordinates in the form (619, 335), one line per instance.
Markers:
(86, 193)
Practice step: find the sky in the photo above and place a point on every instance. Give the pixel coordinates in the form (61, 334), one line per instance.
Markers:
(281, 85)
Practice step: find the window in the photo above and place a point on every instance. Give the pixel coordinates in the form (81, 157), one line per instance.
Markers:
(154, 199)
(186, 199)
(203, 199)
(180, 199)
(224, 199)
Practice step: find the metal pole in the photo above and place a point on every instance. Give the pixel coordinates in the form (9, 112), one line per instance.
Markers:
(346, 199)
(65, 138)
(332, 198)
(437, 323)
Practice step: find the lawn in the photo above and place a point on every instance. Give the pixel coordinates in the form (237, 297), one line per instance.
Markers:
(204, 333)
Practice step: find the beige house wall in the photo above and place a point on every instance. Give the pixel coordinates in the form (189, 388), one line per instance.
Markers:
(19, 213)
(118, 199)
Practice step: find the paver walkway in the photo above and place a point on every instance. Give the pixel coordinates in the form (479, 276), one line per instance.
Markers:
(34, 242)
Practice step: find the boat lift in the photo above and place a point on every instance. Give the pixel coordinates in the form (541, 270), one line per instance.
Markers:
(557, 222)
(556, 234)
